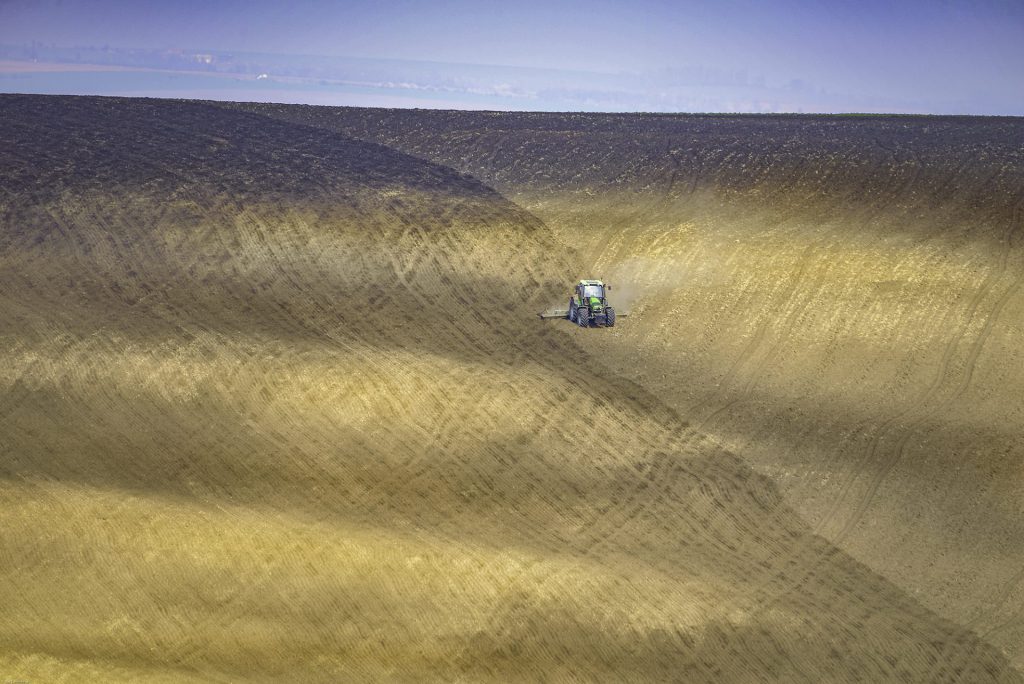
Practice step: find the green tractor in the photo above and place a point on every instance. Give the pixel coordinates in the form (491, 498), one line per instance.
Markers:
(588, 305)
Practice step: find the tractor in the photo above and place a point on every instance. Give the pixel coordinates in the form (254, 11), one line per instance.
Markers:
(588, 305)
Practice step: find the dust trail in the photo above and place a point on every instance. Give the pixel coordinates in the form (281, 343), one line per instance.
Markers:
(640, 280)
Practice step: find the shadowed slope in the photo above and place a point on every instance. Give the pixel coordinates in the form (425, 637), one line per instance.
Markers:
(275, 407)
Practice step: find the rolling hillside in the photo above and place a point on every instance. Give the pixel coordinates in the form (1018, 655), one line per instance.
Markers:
(276, 406)
(838, 300)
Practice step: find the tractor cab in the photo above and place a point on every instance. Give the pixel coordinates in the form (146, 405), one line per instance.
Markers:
(590, 293)
(590, 289)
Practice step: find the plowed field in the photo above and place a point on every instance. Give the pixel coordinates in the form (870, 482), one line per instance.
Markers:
(275, 404)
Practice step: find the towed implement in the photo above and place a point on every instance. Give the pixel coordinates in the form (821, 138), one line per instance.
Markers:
(588, 306)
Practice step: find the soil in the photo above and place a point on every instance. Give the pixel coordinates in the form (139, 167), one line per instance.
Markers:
(275, 403)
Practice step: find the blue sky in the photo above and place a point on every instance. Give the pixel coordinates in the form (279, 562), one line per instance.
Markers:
(934, 56)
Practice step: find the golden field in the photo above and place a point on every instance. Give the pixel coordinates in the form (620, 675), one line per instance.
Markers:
(276, 405)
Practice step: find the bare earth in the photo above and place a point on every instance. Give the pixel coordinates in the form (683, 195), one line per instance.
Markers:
(276, 405)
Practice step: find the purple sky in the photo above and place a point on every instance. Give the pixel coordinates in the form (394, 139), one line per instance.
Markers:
(929, 56)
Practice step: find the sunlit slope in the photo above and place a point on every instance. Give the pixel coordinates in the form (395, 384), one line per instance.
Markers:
(275, 407)
(837, 299)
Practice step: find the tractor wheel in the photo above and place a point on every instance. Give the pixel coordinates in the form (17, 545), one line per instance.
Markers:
(572, 311)
(609, 317)
(583, 317)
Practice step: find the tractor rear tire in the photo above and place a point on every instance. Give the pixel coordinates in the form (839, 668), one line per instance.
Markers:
(572, 311)
(609, 317)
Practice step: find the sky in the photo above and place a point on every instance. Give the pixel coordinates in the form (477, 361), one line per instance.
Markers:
(916, 56)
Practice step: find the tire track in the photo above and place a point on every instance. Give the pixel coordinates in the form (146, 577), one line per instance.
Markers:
(976, 346)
